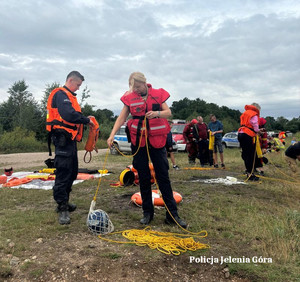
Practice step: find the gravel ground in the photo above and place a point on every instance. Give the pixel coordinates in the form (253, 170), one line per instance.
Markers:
(23, 161)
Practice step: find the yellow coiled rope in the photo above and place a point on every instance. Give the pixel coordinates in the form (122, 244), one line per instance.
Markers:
(165, 242)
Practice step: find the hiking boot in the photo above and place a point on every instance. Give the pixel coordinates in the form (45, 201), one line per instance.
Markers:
(253, 178)
(71, 207)
(146, 219)
(63, 214)
(216, 166)
(223, 166)
(176, 167)
(181, 222)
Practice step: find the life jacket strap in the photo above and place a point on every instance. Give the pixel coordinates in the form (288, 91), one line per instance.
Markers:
(60, 123)
(248, 128)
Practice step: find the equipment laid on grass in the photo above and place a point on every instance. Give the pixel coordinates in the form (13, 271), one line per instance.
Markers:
(130, 175)
(98, 221)
(16, 182)
(156, 198)
(8, 171)
(91, 142)
(3, 179)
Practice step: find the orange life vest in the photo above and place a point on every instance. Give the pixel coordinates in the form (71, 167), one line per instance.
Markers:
(157, 128)
(281, 135)
(246, 125)
(55, 121)
(91, 142)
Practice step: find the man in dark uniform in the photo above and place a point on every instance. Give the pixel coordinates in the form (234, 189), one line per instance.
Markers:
(65, 122)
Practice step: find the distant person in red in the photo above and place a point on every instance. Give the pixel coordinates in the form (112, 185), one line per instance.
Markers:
(191, 145)
(201, 135)
(263, 140)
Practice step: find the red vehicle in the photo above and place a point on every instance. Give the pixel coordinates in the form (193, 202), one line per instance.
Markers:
(177, 130)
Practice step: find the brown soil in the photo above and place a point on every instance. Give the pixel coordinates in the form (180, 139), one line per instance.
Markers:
(80, 256)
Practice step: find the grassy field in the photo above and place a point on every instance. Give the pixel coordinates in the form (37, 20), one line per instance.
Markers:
(257, 223)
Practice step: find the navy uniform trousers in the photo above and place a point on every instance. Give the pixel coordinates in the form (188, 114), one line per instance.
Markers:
(161, 167)
(66, 164)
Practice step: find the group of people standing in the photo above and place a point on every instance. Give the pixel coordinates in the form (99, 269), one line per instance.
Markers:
(204, 141)
(149, 113)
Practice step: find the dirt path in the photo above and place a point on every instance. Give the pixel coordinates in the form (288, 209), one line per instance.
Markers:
(21, 161)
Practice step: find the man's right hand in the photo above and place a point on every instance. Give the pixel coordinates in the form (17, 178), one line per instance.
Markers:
(91, 124)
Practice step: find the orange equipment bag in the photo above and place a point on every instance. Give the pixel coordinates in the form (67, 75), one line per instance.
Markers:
(92, 139)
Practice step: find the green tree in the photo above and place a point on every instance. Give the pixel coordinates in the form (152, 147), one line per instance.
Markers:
(85, 95)
(20, 109)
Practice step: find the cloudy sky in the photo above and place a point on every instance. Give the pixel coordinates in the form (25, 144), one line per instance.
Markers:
(230, 53)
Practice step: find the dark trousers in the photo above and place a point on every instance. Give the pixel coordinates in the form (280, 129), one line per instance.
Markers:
(66, 164)
(203, 153)
(192, 150)
(161, 167)
(248, 151)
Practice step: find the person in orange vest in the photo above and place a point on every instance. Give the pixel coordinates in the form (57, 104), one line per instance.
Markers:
(246, 136)
(191, 145)
(65, 125)
(282, 136)
(149, 112)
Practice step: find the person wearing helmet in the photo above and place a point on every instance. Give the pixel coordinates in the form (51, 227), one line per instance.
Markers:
(191, 145)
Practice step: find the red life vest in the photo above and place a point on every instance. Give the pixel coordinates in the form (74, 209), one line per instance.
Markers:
(157, 128)
(55, 121)
(246, 125)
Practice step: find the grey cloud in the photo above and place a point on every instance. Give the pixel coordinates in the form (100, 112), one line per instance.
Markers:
(227, 60)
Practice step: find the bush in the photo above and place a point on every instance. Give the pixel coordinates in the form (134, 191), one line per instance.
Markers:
(19, 141)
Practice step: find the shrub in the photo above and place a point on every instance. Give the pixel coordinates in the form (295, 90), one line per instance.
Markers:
(20, 140)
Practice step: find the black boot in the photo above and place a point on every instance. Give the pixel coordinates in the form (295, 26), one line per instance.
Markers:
(63, 214)
(177, 220)
(146, 219)
(71, 207)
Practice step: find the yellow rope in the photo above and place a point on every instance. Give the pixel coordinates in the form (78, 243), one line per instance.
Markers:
(101, 172)
(165, 242)
(140, 141)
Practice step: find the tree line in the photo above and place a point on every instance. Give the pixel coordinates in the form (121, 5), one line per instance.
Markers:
(22, 117)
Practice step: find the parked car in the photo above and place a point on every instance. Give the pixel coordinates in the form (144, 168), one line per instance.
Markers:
(230, 140)
(177, 130)
(120, 142)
